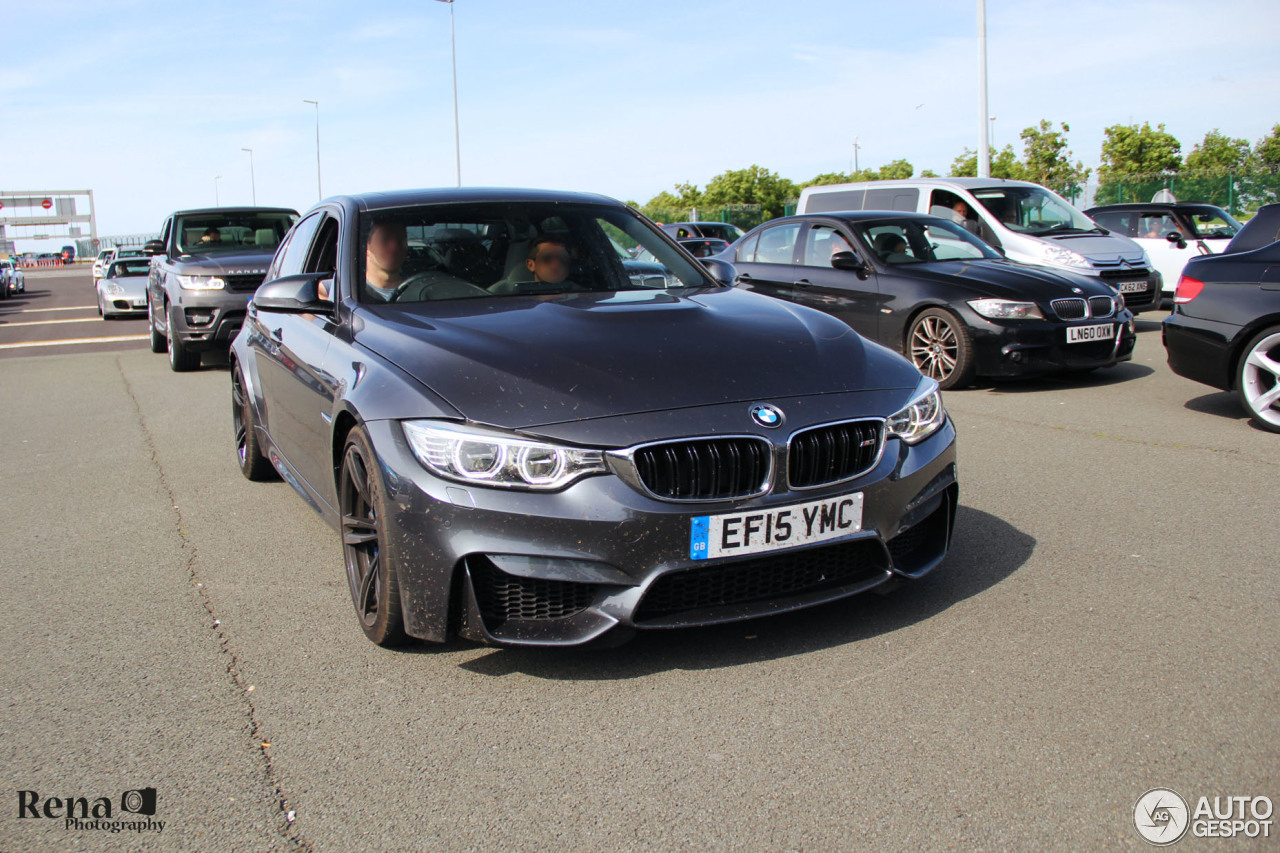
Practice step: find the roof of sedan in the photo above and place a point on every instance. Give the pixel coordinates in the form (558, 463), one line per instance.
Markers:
(465, 195)
(858, 215)
(1157, 205)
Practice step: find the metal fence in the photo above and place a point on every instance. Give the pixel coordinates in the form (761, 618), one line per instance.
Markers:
(1240, 193)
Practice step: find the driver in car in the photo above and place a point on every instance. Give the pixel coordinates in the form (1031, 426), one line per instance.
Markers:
(384, 256)
(548, 259)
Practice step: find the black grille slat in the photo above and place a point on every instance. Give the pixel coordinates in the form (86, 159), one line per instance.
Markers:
(1070, 309)
(829, 454)
(1101, 306)
(242, 283)
(762, 578)
(704, 469)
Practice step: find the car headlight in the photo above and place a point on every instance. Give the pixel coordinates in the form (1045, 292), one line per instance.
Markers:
(1064, 257)
(113, 289)
(922, 417)
(490, 458)
(1006, 309)
(201, 282)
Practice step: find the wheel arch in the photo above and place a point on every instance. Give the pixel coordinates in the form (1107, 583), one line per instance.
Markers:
(1243, 338)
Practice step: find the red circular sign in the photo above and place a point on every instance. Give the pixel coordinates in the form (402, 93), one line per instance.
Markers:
(47, 203)
(1, 205)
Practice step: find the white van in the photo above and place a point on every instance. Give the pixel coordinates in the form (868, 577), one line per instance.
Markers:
(1025, 221)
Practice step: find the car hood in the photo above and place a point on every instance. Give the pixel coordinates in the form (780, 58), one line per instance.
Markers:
(1005, 279)
(1100, 248)
(521, 362)
(226, 263)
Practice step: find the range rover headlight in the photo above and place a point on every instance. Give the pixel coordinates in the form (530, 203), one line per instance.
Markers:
(920, 418)
(1064, 257)
(201, 282)
(488, 457)
(1006, 309)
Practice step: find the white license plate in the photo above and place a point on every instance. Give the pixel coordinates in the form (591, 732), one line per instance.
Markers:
(1133, 287)
(139, 303)
(1084, 334)
(757, 531)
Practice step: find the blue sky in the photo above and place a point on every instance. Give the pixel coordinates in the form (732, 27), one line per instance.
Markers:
(146, 102)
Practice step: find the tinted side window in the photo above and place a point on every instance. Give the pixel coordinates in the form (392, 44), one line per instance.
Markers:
(841, 200)
(778, 244)
(1120, 223)
(823, 242)
(292, 256)
(891, 198)
(747, 251)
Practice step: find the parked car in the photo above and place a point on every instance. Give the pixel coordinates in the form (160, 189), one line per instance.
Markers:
(100, 262)
(1024, 221)
(725, 231)
(1225, 327)
(550, 452)
(12, 279)
(699, 247)
(1170, 233)
(208, 262)
(123, 290)
(926, 287)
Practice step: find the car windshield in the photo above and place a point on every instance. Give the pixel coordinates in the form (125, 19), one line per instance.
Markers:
(232, 231)
(1212, 223)
(1033, 210)
(918, 241)
(461, 251)
(141, 266)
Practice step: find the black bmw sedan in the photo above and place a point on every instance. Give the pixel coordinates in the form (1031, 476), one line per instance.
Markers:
(926, 287)
(524, 438)
(1225, 327)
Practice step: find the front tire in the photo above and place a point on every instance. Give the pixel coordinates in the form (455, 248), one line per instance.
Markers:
(253, 465)
(181, 359)
(371, 574)
(939, 345)
(1258, 379)
(158, 341)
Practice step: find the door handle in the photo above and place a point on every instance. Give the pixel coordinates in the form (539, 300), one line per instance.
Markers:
(804, 282)
(743, 277)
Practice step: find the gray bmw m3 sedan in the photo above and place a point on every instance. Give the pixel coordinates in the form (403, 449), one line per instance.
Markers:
(525, 436)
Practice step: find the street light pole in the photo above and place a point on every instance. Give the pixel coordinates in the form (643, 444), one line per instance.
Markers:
(984, 147)
(855, 155)
(217, 201)
(253, 183)
(319, 191)
(457, 140)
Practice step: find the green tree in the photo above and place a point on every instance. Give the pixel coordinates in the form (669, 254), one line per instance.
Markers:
(828, 178)
(752, 185)
(1220, 154)
(1266, 153)
(1048, 159)
(1005, 164)
(1136, 162)
(897, 170)
(668, 207)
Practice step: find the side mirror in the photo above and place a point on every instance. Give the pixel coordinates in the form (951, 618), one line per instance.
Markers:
(294, 294)
(1176, 239)
(153, 247)
(847, 261)
(721, 271)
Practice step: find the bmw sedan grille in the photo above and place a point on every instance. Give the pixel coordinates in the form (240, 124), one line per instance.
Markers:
(835, 452)
(705, 469)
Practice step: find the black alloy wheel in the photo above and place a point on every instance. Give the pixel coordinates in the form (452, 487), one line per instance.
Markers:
(940, 347)
(375, 591)
(159, 343)
(253, 464)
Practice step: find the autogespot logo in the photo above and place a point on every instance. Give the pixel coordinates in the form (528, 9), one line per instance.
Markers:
(766, 415)
(1161, 816)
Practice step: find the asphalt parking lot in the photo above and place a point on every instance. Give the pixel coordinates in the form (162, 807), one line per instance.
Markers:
(1108, 622)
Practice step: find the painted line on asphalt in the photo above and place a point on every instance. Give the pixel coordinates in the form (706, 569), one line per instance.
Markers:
(50, 322)
(39, 310)
(76, 341)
